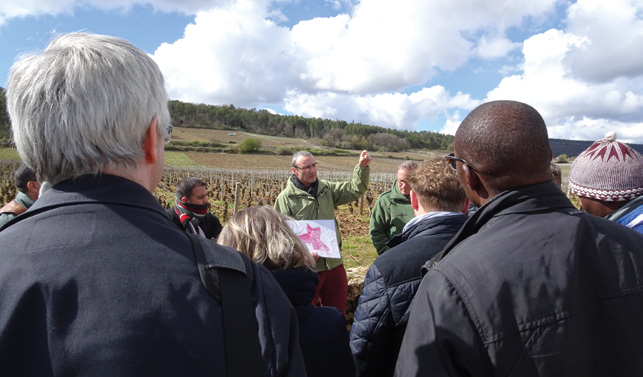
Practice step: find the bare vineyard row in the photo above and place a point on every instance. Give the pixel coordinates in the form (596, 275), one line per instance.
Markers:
(230, 190)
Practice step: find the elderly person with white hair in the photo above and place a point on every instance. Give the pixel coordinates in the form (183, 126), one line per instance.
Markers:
(103, 283)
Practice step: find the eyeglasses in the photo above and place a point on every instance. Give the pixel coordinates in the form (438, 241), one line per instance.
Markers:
(307, 167)
(168, 134)
(452, 162)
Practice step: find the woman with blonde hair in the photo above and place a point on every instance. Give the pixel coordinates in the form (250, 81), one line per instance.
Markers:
(264, 235)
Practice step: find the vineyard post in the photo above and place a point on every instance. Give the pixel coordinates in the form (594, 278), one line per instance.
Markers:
(236, 198)
(361, 205)
(252, 185)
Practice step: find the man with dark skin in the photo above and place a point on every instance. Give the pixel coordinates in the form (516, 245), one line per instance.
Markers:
(607, 177)
(530, 286)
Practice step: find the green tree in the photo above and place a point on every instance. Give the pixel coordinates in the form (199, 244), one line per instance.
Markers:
(250, 145)
(562, 159)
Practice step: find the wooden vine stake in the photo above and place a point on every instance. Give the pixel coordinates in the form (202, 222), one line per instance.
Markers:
(236, 198)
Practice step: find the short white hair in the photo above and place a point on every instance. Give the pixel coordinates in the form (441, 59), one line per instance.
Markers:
(83, 105)
(299, 154)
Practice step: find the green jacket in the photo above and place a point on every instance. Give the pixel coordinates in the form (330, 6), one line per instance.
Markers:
(391, 212)
(300, 205)
(15, 207)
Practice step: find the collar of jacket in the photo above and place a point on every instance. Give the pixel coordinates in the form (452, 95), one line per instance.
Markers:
(102, 188)
(545, 196)
(24, 199)
(627, 208)
(294, 191)
(427, 226)
(312, 189)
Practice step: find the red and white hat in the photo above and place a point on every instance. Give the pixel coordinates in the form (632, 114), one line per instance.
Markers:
(608, 170)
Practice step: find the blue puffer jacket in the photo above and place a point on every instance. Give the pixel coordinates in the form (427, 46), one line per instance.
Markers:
(389, 287)
(322, 331)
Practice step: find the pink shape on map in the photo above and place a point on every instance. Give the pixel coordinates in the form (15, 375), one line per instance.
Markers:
(312, 238)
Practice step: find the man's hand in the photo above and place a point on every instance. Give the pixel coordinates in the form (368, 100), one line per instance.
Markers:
(364, 159)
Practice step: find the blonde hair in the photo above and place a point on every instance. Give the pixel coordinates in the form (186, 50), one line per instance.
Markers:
(262, 234)
(437, 186)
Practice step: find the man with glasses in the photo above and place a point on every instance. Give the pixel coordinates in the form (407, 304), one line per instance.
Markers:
(530, 286)
(308, 198)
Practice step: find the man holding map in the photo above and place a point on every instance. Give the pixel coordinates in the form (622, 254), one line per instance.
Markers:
(308, 198)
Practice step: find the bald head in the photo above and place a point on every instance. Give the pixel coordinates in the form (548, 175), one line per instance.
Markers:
(507, 143)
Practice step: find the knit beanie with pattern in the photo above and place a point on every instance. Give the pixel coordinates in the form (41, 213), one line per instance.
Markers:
(608, 170)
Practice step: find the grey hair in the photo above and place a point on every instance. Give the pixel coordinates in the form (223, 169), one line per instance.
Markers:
(408, 166)
(299, 154)
(83, 105)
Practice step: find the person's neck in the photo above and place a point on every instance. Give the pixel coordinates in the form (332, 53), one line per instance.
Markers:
(139, 175)
(302, 183)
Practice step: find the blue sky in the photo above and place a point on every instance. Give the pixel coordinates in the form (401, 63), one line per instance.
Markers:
(410, 64)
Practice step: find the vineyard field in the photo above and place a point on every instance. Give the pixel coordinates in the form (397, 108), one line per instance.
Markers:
(240, 181)
(234, 189)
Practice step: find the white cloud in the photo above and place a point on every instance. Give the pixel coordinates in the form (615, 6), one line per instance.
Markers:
(614, 30)
(392, 110)
(594, 129)
(385, 46)
(376, 62)
(452, 123)
(492, 48)
(351, 66)
(25, 8)
(230, 55)
(18, 9)
(574, 103)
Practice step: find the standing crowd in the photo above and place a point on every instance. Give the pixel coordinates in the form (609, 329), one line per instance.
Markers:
(485, 267)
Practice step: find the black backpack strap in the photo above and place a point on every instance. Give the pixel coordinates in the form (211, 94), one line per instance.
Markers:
(228, 275)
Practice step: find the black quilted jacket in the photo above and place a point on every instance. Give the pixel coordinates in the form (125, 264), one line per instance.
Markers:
(389, 287)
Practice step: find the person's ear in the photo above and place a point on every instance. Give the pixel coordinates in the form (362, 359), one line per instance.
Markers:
(471, 178)
(185, 199)
(33, 186)
(465, 208)
(414, 201)
(294, 171)
(151, 142)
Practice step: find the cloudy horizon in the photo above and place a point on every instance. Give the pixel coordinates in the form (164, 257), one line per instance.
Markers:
(410, 65)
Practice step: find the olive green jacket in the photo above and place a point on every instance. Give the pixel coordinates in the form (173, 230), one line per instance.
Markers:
(391, 212)
(300, 205)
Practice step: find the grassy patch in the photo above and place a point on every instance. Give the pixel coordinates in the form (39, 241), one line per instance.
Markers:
(180, 159)
(358, 251)
(9, 154)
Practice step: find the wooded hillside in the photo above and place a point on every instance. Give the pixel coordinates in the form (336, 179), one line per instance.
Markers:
(331, 133)
(324, 132)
